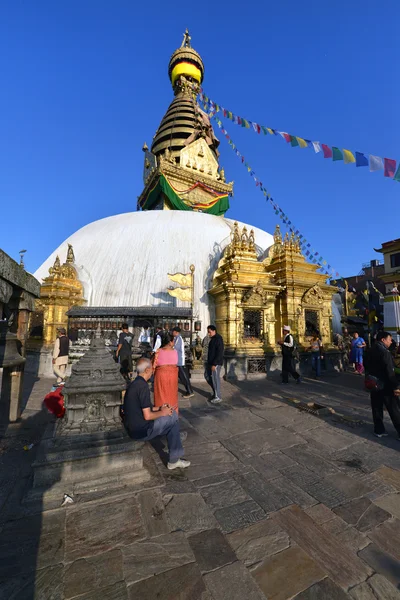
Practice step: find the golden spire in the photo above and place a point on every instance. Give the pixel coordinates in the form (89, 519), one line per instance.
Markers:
(70, 255)
(186, 39)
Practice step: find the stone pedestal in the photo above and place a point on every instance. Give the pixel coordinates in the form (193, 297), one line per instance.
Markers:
(88, 451)
(13, 370)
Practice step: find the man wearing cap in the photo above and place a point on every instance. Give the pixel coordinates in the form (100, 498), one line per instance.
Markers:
(60, 355)
(287, 345)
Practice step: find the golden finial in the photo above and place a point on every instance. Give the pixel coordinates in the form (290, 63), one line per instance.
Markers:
(70, 255)
(252, 241)
(21, 258)
(145, 147)
(286, 240)
(278, 235)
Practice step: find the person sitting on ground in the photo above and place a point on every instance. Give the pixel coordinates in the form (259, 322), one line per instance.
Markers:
(144, 422)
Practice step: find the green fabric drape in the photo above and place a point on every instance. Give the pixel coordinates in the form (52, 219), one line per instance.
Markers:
(163, 186)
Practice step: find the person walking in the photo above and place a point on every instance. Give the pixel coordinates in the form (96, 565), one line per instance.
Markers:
(288, 347)
(382, 383)
(316, 354)
(165, 367)
(60, 355)
(124, 351)
(357, 351)
(157, 338)
(215, 358)
(179, 346)
(144, 422)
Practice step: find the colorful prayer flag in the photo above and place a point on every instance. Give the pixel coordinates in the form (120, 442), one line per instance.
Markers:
(316, 146)
(390, 167)
(264, 129)
(271, 131)
(348, 157)
(327, 151)
(293, 141)
(397, 174)
(336, 154)
(302, 143)
(375, 163)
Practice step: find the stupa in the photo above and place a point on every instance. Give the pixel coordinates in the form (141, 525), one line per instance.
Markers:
(179, 234)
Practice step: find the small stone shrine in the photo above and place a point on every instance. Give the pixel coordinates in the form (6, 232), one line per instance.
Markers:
(88, 450)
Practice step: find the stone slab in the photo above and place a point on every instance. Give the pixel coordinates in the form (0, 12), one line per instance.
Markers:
(45, 584)
(390, 476)
(351, 487)
(327, 493)
(353, 539)
(32, 543)
(253, 544)
(387, 537)
(301, 454)
(323, 590)
(239, 420)
(93, 573)
(281, 438)
(189, 512)
(239, 515)
(117, 591)
(211, 550)
(390, 503)
(362, 513)
(291, 571)
(151, 557)
(233, 582)
(183, 583)
(153, 513)
(295, 493)
(266, 494)
(121, 524)
(382, 562)
(223, 494)
(339, 562)
(335, 526)
(300, 476)
(210, 428)
(278, 460)
(328, 437)
(383, 589)
(320, 513)
(362, 592)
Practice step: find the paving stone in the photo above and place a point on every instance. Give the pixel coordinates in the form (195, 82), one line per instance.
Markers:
(239, 515)
(320, 513)
(32, 543)
(246, 456)
(351, 487)
(121, 524)
(150, 557)
(382, 563)
(266, 494)
(335, 526)
(295, 493)
(224, 494)
(291, 571)
(339, 562)
(359, 457)
(328, 437)
(278, 460)
(277, 416)
(177, 486)
(310, 460)
(390, 476)
(390, 503)
(362, 592)
(233, 582)
(189, 512)
(183, 583)
(210, 428)
(45, 584)
(253, 544)
(117, 591)
(383, 589)
(87, 574)
(300, 476)
(239, 420)
(281, 438)
(323, 590)
(353, 539)
(255, 442)
(211, 550)
(387, 537)
(362, 514)
(212, 480)
(327, 494)
(153, 513)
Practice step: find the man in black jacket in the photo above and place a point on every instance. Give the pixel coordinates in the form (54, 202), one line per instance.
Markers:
(379, 364)
(215, 359)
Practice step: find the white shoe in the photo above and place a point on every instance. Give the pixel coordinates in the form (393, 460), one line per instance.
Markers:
(216, 400)
(179, 464)
(381, 435)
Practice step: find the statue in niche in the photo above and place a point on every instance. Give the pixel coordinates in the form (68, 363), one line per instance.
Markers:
(252, 242)
(278, 235)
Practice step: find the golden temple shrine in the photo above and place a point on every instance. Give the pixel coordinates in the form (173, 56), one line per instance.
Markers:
(246, 281)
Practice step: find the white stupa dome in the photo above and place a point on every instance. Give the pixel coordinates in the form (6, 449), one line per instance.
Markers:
(124, 260)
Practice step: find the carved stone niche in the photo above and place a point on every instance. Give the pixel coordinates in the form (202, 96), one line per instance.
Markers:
(255, 296)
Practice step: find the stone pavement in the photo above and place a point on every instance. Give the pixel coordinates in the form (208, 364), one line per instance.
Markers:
(278, 503)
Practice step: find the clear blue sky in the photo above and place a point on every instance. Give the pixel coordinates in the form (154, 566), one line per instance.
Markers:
(85, 83)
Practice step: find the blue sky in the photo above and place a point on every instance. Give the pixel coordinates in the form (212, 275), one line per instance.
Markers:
(85, 83)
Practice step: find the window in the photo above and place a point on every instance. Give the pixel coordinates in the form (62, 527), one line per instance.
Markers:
(252, 320)
(395, 260)
(312, 322)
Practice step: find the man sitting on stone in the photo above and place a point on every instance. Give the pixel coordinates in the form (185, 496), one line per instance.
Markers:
(144, 422)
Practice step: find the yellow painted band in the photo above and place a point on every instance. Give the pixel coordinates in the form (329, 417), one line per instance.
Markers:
(185, 68)
(394, 298)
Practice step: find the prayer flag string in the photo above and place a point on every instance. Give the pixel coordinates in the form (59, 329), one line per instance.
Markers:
(375, 163)
(311, 254)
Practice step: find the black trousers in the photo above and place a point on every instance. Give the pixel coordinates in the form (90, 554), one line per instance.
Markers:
(379, 399)
(288, 368)
(184, 379)
(126, 364)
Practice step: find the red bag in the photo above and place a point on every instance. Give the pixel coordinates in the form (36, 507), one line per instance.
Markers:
(54, 402)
